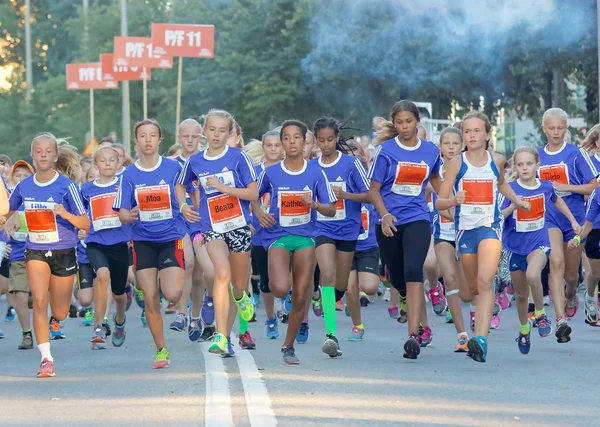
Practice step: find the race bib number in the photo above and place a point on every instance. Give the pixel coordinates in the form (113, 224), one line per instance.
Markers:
(292, 211)
(225, 213)
(154, 203)
(103, 215)
(446, 225)
(409, 178)
(225, 177)
(534, 219)
(21, 234)
(364, 216)
(340, 206)
(479, 197)
(556, 173)
(41, 222)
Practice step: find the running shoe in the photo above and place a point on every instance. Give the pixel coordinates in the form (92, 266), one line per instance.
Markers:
(180, 323)
(356, 334)
(56, 332)
(426, 337)
(253, 320)
(331, 346)
(230, 352)
(402, 302)
(289, 355)
(273, 328)
(386, 294)
(219, 345)
(438, 299)
(286, 303)
(477, 349)
(46, 369)
(1, 334)
(524, 342)
(72, 311)
(591, 310)
(245, 307)
(461, 347)
(544, 326)
(129, 295)
(412, 347)
(503, 300)
(246, 341)
(571, 306)
(194, 332)
(563, 331)
(81, 312)
(364, 299)
(317, 306)
(547, 300)
(495, 322)
(302, 335)
(449, 317)
(118, 337)
(139, 298)
(11, 314)
(393, 312)
(207, 333)
(207, 313)
(143, 319)
(99, 337)
(284, 318)
(531, 317)
(26, 343)
(472, 321)
(170, 309)
(403, 316)
(339, 305)
(107, 327)
(256, 299)
(162, 359)
(88, 318)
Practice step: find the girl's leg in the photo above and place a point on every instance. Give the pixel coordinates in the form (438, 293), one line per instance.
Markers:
(557, 270)
(488, 256)
(446, 257)
(301, 273)
(327, 259)
(100, 294)
(591, 299)
(536, 261)
(188, 255)
(352, 299)
(219, 256)
(572, 263)
(519, 280)
(147, 284)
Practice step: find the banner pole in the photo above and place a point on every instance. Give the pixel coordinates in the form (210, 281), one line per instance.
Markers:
(92, 130)
(178, 107)
(145, 94)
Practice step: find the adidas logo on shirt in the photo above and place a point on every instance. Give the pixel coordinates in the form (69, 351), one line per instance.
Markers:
(225, 169)
(50, 199)
(306, 188)
(162, 181)
(339, 178)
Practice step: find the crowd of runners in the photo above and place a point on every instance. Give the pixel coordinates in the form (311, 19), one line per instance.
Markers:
(302, 220)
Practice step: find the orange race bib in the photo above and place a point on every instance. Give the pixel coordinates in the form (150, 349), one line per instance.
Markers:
(534, 219)
(409, 178)
(292, 211)
(225, 213)
(479, 197)
(154, 203)
(103, 215)
(340, 206)
(364, 216)
(41, 223)
(556, 173)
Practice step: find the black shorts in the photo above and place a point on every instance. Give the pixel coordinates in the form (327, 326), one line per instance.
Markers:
(62, 262)
(114, 258)
(592, 248)
(260, 257)
(130, 251)
(316, 278)
(340, 245)
(366, 261)
(450, 242)
(4, 270)
(239, 240)
(158, 255)
(85, 276)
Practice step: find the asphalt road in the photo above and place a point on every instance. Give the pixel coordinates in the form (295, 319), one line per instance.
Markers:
(371, 384)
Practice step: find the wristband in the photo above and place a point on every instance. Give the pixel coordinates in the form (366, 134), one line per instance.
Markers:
(577, 239)
(181, 208)
(387, 214)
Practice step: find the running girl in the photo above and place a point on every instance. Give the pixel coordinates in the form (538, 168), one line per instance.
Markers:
(53, 213)
(525, 236)
(146, 200)
(476, 178)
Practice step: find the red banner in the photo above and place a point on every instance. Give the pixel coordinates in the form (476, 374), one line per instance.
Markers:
(137, 52)
(117, 73)
(196, 41)
(87, 76)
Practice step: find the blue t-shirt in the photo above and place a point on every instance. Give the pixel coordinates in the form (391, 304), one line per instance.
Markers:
(348, 173)
(286, 188)
(523, 231)
(105, 226)
(220, 212)
(593, 209)
(47, 230)
(153, 192)
(366, 238)
(403, 173)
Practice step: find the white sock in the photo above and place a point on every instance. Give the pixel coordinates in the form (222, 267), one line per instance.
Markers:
(461, 334)
(472, 308)
(45, 351)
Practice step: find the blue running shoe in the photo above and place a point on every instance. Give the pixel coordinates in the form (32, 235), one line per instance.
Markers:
(56, 332)
(89, 318)
(139, 298)
(143, 319)
(272, 329)
(356, 334)
(449, 317)
(118, 336)
(230, 352)
(302, 335)
(180, 323)
(524, 342)
(286, 304)
(544, 326)
(11, 314)
(194, 332)
(477, 349)
(1, 334)
(256, 299)
(208, 310)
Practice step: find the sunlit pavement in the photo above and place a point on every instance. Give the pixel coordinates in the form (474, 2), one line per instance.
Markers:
(371, 384)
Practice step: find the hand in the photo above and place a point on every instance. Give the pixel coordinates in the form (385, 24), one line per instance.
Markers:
(339, 192)
(81, 234)
(134, 214)
(576, 228)
(189, 214)
(215, 183)
(573, 244)
(61, 211)
(560, 187)
(460, 197)
(522, 204)
(308, 201)
(8, 251)
(387, 225)
(2, 221)
(266, 220)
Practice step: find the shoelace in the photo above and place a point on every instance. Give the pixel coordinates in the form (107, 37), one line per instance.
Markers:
(434, 296)
(303, 328)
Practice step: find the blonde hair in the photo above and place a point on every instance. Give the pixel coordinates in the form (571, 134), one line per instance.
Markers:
(590, 142)
(529, 149)
(173, 149)
(360, 153)
(255, 150)
(68, 160)
(222, 114)
(104, 147)
(554, 112)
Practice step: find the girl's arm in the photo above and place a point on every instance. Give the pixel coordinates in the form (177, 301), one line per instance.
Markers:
(445, 199)
(564, 209)
(585, 189)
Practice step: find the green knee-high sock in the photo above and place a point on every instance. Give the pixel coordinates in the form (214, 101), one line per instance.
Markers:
(243, 325)
(329, 309)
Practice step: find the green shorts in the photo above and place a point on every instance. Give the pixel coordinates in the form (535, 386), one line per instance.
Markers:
(293, 243)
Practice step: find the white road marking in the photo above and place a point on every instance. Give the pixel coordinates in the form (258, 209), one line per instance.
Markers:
(217, 406)
(258, 402)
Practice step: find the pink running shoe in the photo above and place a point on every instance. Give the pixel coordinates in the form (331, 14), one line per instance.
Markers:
(503, 300)
(495, 323)
(571, 306)
(46, 369)
(426, 337)
(393, 312)
(438, 299)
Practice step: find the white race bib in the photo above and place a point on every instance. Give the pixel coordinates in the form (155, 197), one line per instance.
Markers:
(154, 203)
(340, 206)
(225, 177)
(41, 222)
(292, 211)
(409, 178)
(225, 213)
(533, 220)
(103, 215)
